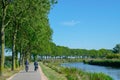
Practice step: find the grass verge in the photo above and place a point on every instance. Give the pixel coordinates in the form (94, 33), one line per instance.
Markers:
(52, 74)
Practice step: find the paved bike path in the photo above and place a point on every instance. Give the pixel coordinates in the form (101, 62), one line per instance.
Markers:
(30, 75)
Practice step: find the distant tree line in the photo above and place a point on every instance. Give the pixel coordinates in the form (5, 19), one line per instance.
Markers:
(65, 51)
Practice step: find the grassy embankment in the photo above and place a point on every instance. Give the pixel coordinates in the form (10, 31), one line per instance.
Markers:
(54, 70)
(8, 72)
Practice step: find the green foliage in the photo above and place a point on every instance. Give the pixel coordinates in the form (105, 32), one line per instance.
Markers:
(113, 56)
(8, 64)
(8, 58)
(99, 76)
(116, 49)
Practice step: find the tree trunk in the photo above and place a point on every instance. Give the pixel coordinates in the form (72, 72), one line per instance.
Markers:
(2, 40)
(16, 59)
(20, 59)
(2, 51)
(28, 56)
(14, 48)
(23, 59)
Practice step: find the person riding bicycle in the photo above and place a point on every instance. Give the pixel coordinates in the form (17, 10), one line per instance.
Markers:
(26, 65)
(35, 66)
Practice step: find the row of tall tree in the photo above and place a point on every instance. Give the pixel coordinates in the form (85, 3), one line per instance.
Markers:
(57, 51)
(25, 28)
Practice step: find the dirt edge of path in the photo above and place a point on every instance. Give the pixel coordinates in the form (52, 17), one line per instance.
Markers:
(43, 77)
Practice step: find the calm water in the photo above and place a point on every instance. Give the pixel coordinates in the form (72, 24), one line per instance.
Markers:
(113, 72)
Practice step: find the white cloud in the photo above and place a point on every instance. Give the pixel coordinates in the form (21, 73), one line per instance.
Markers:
(70, 23)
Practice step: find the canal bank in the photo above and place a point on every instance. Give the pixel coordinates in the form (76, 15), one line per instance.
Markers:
(113, 72)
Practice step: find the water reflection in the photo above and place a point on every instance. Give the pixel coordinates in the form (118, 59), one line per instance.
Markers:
(113, 72)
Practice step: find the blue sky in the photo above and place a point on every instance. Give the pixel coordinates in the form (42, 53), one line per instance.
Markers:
(86, 24)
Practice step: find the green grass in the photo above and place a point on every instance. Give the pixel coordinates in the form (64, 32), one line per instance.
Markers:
(52, 74)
